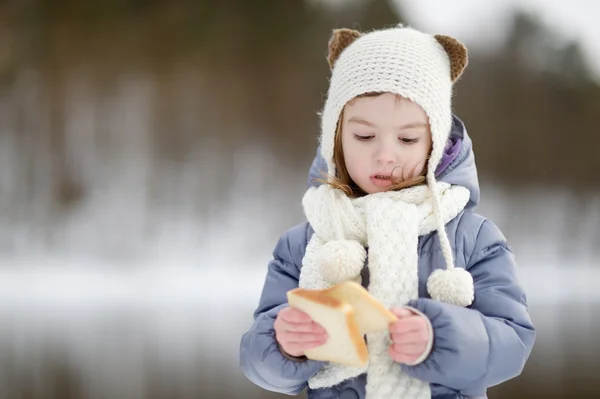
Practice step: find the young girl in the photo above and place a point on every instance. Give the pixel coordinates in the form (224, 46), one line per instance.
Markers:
(395, 212)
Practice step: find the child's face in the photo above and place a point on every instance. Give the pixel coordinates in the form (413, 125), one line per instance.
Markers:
(384, 135)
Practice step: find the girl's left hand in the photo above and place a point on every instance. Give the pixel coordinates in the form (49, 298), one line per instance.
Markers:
(411, 337)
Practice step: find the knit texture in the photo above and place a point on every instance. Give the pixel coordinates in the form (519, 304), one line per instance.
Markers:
(403, 61)
(421, 68)
(389, 224)
(414, 65)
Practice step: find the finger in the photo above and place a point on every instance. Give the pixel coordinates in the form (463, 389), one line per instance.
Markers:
(411, 337)
(408, 324)
(282, 326)
(304, 345)
(402, 312)
(300, 348)
(410, 349)
(402, 358)
(292, 315)
(303, 337)
(289, 337)
(310, 327)
(304, 328)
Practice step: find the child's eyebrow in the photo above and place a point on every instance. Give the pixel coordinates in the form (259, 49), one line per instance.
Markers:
(356, 119)
(412, 125)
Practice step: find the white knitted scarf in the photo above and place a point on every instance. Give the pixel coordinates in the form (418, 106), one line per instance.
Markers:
(389, 225)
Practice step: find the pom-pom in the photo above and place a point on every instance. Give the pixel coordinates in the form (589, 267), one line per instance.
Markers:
(454, 286)
(341, 260)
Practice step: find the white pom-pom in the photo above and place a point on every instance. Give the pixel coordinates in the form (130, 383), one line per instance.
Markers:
(341, 260)
(454, 286)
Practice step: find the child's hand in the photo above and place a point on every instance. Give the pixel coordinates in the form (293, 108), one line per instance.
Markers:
(296, 332)
(411, 336)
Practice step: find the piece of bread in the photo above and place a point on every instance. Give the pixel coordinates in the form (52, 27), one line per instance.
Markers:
(371, 315)
(347, 311)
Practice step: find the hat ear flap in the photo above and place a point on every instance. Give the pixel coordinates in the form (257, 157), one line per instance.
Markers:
(340, 39)
(457, 53)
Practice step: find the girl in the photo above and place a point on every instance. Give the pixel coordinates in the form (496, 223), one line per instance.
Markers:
(395, 212)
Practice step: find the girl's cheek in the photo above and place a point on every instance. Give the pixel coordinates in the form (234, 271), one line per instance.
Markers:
(420, 169)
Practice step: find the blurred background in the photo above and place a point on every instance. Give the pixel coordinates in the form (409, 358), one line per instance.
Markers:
(152, 152)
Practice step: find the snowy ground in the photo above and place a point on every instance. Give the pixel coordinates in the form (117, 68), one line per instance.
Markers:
(181, 314)
(125, 328)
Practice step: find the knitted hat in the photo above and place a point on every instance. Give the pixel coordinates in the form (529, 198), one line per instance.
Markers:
(416, 66)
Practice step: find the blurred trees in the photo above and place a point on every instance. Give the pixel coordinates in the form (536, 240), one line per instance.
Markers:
(532, 106)
(533, 109)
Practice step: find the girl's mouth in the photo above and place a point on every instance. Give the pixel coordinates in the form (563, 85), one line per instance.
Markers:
(382, 180)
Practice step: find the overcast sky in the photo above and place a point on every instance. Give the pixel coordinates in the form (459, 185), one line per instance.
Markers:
(478, 22)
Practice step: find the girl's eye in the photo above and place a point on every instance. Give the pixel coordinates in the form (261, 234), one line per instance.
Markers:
(360, 137)
(409, 141)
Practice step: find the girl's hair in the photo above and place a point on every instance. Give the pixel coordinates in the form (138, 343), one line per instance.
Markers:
(342, 180)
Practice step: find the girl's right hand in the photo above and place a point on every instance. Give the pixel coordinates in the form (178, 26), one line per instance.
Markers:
(296, 332)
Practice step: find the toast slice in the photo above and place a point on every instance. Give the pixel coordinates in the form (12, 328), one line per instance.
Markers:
(371, 315)
(345, 344)
(347, 312)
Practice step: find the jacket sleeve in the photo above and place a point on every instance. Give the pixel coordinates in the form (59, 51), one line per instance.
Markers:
(260, 357)
(489, 342)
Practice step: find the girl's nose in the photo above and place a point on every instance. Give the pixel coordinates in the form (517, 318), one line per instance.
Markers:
(384, 156)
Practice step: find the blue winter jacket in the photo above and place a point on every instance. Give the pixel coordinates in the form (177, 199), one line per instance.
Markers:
(474, 348)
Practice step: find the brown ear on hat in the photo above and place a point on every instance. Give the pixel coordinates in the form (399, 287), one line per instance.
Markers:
(457, 52)
(340, 39)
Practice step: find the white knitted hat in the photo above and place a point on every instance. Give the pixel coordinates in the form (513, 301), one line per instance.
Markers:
(414, 65)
